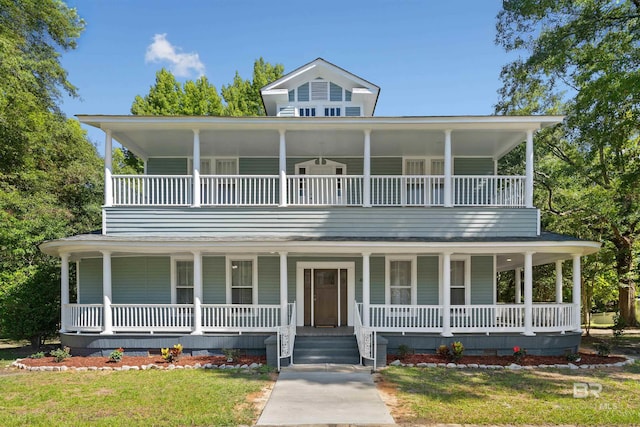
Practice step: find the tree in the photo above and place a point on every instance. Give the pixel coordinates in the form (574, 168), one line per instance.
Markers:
(243, 96)
(582, 59)
(50, 175)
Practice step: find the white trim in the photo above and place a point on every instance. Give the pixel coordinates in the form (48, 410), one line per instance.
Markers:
(174, 274)
(413, 281)
(495, 278)
(467, 276)
(78, 282)
(254, 273)
(350, 266)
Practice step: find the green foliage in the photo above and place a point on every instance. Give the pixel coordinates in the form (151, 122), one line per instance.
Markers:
(619, 325)
(116, 355)
(457, 350)
(404, 351)
(582, 59)
(61, 354)
(232, 354)
(603, 348)
(38, 355)
(173, 354)
(519, 353)
(443, 351)
(243, 96)
(573, 357)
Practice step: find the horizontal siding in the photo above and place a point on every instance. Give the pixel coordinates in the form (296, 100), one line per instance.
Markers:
(336, 222)
(141, 280)
(377, 280)
(268, 280)
(90, 281)
(482, 277)
(473, 166)
(167, 166)
(213, 280)
(428, 283)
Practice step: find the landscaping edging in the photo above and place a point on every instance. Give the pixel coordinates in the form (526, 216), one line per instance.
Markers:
(146, 367)
(513, 366)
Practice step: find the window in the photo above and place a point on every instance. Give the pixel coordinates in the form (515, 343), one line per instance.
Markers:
(332, 112)
(347, 95)
(319, 91)
(459, 281)
(303, 92)
(352, 111)
(307, 112)
(184, 282)
(292, 95)
(401, 281)
(335, 92)
(242, 281)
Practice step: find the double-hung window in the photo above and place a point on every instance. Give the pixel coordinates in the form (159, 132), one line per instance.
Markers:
(401, 281)
(184, 282)
(242, 281)
(459, 281)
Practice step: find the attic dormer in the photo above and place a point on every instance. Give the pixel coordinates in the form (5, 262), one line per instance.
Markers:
(320, 89)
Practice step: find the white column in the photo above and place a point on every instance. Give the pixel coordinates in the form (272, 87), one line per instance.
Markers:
(107, 327)
(195, 203)
(366, 288)
(528, 182)
(108, 165)
(284, 285)
(528, 294)
(446, 295)
(518, 286)
(282, 166)
(64, 290)
(559, 282)
(448, 163)
(366, 184)
(197, 293)
(577, 277)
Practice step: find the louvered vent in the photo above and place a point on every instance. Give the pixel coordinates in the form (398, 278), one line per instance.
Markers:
(319, 91)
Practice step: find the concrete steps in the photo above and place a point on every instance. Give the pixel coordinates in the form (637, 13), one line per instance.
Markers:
(326, 349)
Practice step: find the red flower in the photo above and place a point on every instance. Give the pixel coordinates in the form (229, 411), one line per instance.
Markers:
(516, 349)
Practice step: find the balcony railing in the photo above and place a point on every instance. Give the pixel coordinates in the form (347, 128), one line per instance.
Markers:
(318, 190)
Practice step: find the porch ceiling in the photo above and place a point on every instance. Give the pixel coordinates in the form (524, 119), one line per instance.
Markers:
(489, 136)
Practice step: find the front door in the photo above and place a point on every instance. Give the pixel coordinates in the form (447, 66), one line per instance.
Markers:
(325, 297)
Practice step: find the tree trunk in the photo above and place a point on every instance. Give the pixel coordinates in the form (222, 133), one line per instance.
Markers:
(627, 285)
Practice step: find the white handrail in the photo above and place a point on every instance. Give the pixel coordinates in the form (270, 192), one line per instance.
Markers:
(152, 190)
(286, 336)
(239, 190)
(324, 190)
(366, 338)
(407, 190)
(481, 190)
(83, 317)
(240, 317)
(152, 317)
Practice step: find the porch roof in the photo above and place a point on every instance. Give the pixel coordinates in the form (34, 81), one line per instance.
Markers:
(148, 136)
(548, 247)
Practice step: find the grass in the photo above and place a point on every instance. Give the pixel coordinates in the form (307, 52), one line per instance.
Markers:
(439, 395)
(107, 398)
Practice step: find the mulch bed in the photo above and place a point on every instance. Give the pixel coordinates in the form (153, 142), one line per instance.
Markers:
(585, 359)
(100, 362)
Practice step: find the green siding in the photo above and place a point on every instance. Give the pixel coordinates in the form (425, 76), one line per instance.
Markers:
(482, 278)
(141, 280)
(258, 166)
(473, 166)
(268, 280)
(167, 166)
(377, 280)
(428, 280)
(213, 280)
(386, 166)
(90, 275)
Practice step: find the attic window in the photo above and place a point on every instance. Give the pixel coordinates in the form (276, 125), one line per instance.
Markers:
(319, 91)
(335, 92)
(292, 95)
(347, 95)
(303, 92)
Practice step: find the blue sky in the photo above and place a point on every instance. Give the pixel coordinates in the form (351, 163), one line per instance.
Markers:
(428, 57)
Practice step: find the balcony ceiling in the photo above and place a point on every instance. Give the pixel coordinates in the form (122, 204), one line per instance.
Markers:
(487, 136)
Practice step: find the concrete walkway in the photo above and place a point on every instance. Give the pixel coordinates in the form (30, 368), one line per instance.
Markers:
(325, 394)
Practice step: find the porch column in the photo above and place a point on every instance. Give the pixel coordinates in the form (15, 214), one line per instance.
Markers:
(284, 284)
(518, 286)
(195, 203)
(448, 179)
(366, 288)
(577, 277)
(107, 326)
(366, 184)
(446, 295)
(108, 165)
(64, 290)
(282, 166)
(197, 293)
(559, 282)
(528, 294)
(528, 186)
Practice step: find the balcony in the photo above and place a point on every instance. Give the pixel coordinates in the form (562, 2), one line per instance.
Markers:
(317, 190)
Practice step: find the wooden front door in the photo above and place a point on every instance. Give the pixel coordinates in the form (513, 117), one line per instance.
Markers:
(325, 297)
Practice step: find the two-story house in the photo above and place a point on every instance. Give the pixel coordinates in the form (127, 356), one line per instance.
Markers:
(319, 218)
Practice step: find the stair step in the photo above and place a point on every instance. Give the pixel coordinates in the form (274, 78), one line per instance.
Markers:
(324, 349)
(338, 360)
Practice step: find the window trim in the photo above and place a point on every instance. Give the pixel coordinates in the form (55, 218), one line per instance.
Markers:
(174, 276)
(254, 279)
(212, 164)
(414, 277)
(467, 278)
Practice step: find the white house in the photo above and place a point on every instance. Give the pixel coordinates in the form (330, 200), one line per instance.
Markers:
(319, 215)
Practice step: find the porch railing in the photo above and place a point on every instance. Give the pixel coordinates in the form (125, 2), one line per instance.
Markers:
(323, 190)
(240, 317)
(153, 317)
(548, 317)
(152, 190)
(398, 318)
(286, 337)
(317, 190)
(365, 336)
(83, 317)
(240, 190)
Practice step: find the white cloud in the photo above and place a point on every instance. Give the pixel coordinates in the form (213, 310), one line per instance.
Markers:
(182, 64)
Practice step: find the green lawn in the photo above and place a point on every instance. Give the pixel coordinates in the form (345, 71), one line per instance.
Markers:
(109, 398)
(436, 395)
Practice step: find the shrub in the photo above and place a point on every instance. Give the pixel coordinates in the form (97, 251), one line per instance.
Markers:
(232, 354)
(38, 355)
(443, 351)
(457, 349)
(573, 357)
(61, 354)
(172, 354)
(404, 351)
(116, 355)
(619, 324)
(519, 353)
(603, 348)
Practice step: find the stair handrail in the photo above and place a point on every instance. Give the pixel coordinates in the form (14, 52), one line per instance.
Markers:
(286, 337)
(366, 338)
